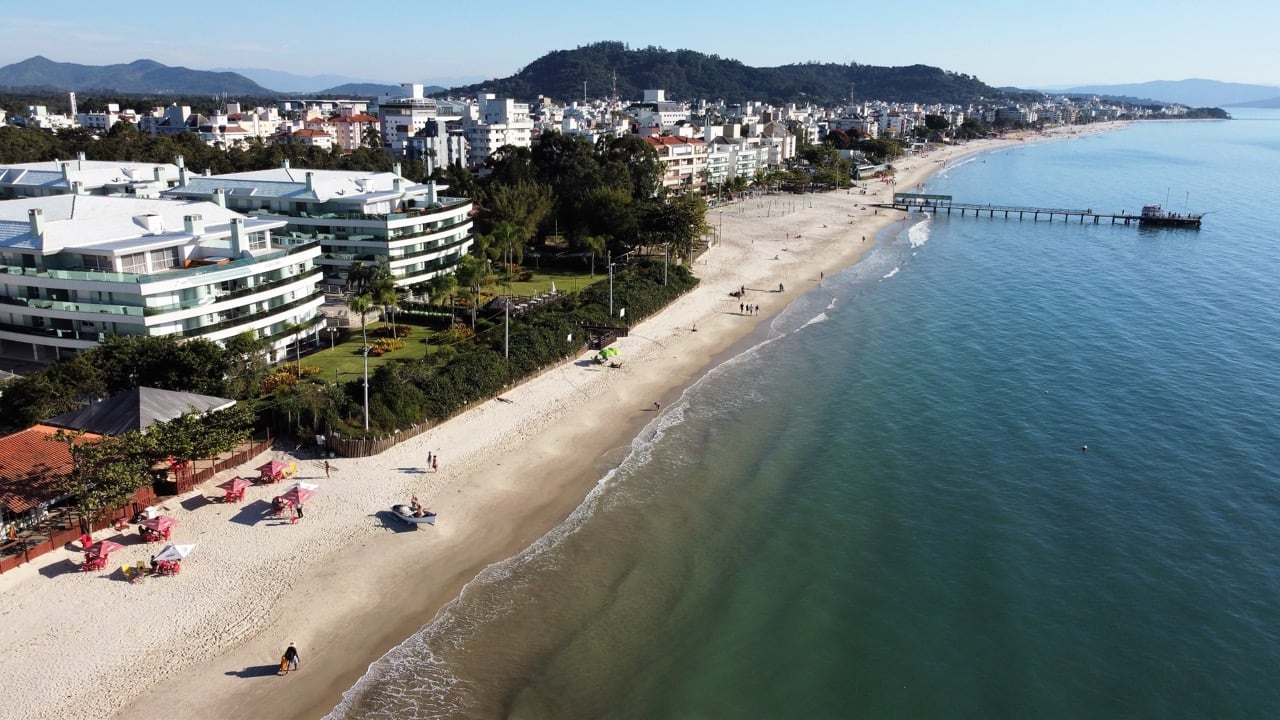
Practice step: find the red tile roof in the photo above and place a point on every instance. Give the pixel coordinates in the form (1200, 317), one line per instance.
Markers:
(31, 463)
(669, 140)
(357, 118)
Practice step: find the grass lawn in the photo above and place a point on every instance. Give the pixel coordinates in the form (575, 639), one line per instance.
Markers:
(565, 280)
(344, 362)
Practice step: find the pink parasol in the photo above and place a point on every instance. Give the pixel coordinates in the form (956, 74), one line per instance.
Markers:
(104, 548)
(299, 493)
(159, 523)
(235, 484)
(275, 467)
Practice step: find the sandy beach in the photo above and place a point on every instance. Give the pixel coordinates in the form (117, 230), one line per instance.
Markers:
(346, 583)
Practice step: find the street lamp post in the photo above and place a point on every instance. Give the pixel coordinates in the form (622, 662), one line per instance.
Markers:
(333, 331)
(666, 255)
(365, 351)
(609, 257)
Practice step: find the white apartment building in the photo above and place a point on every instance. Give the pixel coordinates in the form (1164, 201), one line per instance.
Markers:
(86, 177)
(357, 217)
(404, 117)
(684, 162)
(494, 123)
(75, 268)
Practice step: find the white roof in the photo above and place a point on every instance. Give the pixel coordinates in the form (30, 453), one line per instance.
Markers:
(114, 224)
(291, 183)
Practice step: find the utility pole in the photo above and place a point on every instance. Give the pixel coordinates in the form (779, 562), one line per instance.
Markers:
(609, 257)
(365, 351)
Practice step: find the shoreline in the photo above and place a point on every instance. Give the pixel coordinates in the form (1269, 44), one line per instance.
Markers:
(346, 584)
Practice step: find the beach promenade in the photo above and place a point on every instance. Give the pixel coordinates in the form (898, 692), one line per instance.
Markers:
(346, 584)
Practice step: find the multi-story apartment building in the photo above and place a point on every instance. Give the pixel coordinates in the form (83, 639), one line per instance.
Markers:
(357, 217)
(494, 123)
(684, 162)
(86, 177)
(75, 268)
(405, 117)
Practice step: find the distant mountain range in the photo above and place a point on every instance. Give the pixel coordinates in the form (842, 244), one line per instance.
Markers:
(140, 77)
(1194, 93)
(609, 68)
(341, 84)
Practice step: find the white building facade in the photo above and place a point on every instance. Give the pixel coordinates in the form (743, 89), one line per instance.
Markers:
(356, 217)
(74, 269)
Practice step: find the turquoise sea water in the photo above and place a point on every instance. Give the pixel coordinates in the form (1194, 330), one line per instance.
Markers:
(884, 509)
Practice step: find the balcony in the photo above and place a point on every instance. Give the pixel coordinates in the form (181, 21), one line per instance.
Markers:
(154, 310)
(246, 317)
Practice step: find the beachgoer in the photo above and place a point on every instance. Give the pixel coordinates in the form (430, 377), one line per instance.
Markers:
(429, 458)
(326, 468)
(291, 655)
(298, 509)
(741, 308)
(155, 564)
(780, 287)
(435, 463)
(415, 506)
(657, 406)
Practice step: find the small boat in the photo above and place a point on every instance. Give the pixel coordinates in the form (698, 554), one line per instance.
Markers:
(1156, 215)
(405, 513)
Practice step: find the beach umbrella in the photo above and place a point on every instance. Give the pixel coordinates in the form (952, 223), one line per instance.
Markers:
(159, 523)
(299, 493)
(275, 467)
(175, 552)
(235, 484)
(104, 548)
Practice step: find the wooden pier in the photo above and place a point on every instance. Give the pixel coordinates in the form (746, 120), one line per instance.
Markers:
(916, 202)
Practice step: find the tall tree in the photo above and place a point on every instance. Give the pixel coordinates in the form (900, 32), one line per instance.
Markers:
(105, 472)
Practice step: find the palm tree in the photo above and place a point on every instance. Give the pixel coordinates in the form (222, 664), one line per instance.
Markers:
(594, 244)
(444, 286)
(384, 294)
(471, 276)
(295, 329)
(360, 304)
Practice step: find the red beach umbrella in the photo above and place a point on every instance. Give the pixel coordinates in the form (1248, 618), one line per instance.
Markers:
(159, 523)
(104, 548)
(235, 484)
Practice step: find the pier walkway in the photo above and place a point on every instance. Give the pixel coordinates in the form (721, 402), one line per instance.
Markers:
(916, 202)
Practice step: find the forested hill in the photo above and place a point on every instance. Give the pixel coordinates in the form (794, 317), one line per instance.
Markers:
(688, 75)
(145, 77)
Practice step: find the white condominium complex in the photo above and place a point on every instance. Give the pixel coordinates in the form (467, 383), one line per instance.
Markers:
(357, 217)
(75, 268)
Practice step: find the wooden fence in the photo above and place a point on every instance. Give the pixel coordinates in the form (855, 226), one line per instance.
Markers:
(64, 526)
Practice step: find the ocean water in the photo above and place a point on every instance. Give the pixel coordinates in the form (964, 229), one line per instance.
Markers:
(885, 509)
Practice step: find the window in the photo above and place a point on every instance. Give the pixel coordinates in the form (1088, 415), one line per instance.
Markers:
(165, 258)
(135, 263)
(98, 262)
(258, 241)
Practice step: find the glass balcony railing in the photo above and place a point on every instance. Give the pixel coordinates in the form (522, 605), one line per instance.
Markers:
(246, 317)
(314, 275)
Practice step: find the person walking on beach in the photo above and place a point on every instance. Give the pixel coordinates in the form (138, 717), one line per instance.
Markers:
(289, 660)
(326, 469)
(429, 458)
(435, 463)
